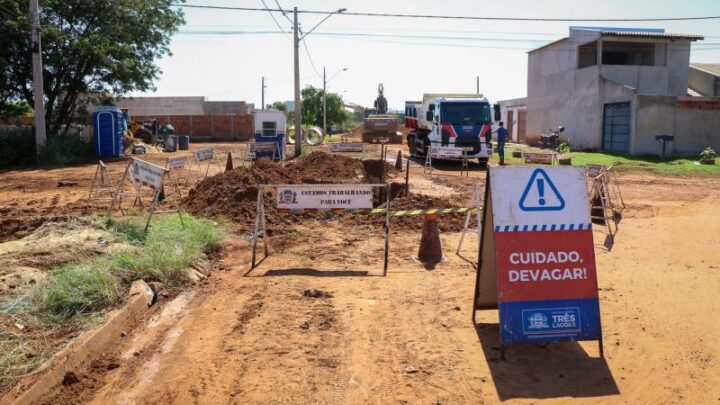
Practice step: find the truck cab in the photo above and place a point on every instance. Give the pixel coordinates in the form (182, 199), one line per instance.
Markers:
(453, 122)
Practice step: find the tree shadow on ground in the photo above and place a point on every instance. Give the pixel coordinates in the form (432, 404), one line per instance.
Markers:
(557, 370)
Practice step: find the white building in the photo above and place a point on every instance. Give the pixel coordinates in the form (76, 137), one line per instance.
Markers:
(514, 114)
(616, 89)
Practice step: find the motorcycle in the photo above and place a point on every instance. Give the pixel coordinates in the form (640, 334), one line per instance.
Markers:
(552, 140)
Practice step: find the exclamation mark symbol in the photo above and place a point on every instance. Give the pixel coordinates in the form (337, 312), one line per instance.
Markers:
(541, 191)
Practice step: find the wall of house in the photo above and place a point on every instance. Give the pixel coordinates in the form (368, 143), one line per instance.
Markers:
(182, 106)
(561, 94)
(550, 85)
(693, 121)
(703, 82)
(515, 106)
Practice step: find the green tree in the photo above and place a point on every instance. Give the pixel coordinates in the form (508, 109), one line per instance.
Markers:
(312, 108)
(90, 49)
(10, 109)
(280, 106)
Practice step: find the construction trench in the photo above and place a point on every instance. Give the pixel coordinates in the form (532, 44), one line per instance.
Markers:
(316, 323)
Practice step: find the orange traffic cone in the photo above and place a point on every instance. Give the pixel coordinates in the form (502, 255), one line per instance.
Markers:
(229, 163)
(430, 253)
(398, 162)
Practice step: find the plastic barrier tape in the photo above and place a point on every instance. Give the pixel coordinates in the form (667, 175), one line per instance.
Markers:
(404, 213)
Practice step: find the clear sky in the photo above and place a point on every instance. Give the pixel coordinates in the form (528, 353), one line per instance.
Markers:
(223, 54)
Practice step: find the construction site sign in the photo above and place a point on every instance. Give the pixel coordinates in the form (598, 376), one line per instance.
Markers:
(297, 198)
(148, 174)
(537, 251)
(204, 154)
(324, 197)
(542, 158)
(177, 162)
(446, 152)
(347, 147)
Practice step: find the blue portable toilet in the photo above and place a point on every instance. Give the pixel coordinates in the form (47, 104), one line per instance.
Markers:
(109, 127)
(270, 126)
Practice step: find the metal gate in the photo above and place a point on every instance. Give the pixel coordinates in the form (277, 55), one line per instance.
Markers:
(616, 128)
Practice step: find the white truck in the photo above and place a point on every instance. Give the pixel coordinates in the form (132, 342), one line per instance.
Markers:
(450, 122)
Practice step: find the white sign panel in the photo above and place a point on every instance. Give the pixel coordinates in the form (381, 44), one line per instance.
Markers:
(148, 173)
(346, 147)
(445, 152)
(177, 162)
(263, 147)
(204, 154)
(534, 199)
(325, 197)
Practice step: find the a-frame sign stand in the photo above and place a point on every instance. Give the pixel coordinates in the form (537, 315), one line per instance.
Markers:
(536, 261)
(122, 191)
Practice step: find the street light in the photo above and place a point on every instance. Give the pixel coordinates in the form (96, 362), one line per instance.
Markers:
(296, 48)
(325, 95)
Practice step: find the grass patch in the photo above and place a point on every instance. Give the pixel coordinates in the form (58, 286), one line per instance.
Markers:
(685, 167)
(75, 295)
(76, 288)
(163, 254)
(679, 166)
(167, 251)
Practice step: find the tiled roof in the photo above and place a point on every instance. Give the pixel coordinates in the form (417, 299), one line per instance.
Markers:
(712, 68)
(664, 35)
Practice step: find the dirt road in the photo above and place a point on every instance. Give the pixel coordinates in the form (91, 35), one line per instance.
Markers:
(408, 339)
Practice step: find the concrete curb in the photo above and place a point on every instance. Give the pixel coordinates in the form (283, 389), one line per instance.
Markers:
(84, 350)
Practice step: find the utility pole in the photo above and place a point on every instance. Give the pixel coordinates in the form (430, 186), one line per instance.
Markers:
(477, 84)
(324, 103)
(262, 105)
(38, 94)
(298, 113)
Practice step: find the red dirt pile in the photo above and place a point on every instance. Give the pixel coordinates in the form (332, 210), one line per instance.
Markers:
(233, 194)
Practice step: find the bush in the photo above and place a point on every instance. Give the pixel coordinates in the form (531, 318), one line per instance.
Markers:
(65, 149)
(77, 288)
(168, 250)
(17, 146)
(708, 153)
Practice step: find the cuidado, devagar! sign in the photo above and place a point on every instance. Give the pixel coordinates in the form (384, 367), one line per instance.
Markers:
(538, 256)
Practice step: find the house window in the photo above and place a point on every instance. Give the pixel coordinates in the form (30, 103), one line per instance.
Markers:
(587, 55)
(628, 53)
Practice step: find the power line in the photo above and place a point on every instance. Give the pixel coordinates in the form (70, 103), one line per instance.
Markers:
(455, 17)
(401, 36)
(272, 16)
(283, 12)
(310, 57)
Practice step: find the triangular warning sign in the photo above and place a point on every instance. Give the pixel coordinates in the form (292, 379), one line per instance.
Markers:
(541, 194)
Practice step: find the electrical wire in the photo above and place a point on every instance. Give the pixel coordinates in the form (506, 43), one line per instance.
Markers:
(310, 57)
(454, 17)
(283, 12)
(273, 17)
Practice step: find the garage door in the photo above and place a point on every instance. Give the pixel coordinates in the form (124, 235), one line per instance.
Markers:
(521, 124)
(616, 128)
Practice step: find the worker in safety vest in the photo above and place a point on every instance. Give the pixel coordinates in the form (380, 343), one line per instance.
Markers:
(502, 135)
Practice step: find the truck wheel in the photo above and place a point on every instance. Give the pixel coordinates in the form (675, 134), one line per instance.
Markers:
(411, 144)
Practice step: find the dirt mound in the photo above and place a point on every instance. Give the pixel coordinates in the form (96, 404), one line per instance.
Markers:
(233, 194)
